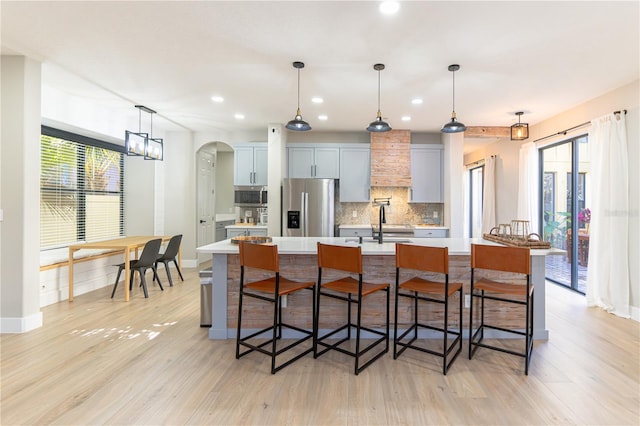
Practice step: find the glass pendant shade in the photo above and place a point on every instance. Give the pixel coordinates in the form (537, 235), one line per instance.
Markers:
(378, 125)
(519, 131)
(298, 124)
(453, 126)
(144, 144)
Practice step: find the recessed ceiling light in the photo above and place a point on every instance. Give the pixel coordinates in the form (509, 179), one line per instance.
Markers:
(317, 100)
(406, 118)
(416, 101)
(217, 99)
(389, 7)
(239, 116)
(322, 117)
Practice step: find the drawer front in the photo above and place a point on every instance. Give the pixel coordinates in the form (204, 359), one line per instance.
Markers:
(430, 233)
(356, 232)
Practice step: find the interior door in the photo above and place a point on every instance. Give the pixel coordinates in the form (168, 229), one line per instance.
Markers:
(206, 200)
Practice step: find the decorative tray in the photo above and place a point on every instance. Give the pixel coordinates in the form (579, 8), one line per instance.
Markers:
(255, 239)
(532, 241)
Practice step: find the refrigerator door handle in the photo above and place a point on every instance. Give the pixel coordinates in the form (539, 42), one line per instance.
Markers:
(306, 214)
(303, 214)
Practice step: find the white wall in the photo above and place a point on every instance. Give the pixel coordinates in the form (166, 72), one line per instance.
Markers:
(626, 97)
(180, 193)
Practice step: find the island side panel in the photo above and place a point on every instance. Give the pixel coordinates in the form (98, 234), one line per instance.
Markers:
(219, 292)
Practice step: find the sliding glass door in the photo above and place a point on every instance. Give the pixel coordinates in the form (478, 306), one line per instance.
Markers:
(565, 210)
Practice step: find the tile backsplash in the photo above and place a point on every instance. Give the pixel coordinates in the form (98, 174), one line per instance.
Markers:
(399, 212)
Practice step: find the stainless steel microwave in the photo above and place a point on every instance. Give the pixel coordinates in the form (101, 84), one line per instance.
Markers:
(250, 196)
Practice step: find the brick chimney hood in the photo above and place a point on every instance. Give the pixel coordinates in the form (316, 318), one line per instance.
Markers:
(391, 158)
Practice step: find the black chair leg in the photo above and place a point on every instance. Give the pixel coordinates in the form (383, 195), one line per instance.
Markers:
(178, 268)
(144, 284)
(155, 274)
(115, 286)
(166, 267)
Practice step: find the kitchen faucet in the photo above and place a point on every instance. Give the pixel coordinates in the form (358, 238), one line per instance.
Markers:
(381, 216)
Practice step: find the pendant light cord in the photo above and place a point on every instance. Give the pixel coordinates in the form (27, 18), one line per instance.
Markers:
(378, 91)
(298, 89)
(454, 91)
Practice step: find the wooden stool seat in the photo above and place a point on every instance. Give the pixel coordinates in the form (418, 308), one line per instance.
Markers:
(286, 286)
(504, 288)
(350, 285)
(425, 286)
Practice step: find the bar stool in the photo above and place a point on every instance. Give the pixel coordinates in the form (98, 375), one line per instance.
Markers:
(265, 257)
(435, 260)
(504, 259)
(352, 291)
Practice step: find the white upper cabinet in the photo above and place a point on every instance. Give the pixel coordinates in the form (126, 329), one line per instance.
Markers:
(426, 174)
(250, 164)
(313, 162)
(355, 174)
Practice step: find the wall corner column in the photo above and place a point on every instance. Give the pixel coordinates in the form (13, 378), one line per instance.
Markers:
(454, 204)
(20, 195)
(277, 159)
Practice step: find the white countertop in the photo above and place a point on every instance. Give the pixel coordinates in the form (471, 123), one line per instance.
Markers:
(308, 245)
(223, 217)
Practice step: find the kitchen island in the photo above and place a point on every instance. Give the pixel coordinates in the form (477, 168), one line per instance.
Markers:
(298, 261)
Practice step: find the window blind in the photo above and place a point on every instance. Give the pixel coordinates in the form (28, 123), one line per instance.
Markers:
(81, 189)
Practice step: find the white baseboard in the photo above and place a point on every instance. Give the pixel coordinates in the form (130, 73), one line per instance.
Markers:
(21, 325)
(635, 313)
(189, 263)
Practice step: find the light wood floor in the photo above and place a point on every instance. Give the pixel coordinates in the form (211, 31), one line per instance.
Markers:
(103, 361)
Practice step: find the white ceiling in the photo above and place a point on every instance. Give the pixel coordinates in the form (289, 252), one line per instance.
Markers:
(173, 56)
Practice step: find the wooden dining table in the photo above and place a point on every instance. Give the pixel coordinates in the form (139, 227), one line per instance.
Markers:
(124, 244)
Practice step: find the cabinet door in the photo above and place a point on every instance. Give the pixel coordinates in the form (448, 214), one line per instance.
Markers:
(260, 166)
(235, 232)
(300, 162)
(257, 232)
(355, 174)
(426, 175)
(326, 163)
(243, 166)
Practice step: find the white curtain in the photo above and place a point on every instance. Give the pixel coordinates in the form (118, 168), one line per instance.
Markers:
(489, 195)
(528, 186)
(608, 274)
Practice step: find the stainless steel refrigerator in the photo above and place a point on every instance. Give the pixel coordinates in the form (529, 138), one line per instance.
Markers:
(308, 207)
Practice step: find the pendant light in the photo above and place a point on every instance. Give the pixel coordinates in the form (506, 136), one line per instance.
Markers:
(519, 131)
(144, 144)
(453, 126)
(379, 125)
(298, 123)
